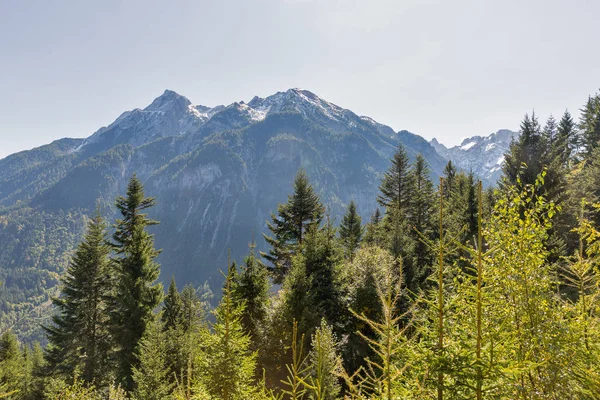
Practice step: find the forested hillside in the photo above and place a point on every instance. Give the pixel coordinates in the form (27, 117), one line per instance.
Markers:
(446, 290)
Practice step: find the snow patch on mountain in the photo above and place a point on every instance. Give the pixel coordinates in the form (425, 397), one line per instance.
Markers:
(484, 155)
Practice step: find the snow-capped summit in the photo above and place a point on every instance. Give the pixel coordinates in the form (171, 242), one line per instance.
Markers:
(169, 101)
(484, 155)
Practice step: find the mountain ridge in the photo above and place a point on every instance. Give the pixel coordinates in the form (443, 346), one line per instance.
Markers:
(217, 173)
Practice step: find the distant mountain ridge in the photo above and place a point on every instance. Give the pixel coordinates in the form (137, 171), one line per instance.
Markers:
(484, 155)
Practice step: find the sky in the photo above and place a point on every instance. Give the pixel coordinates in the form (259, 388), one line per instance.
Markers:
(445, 69)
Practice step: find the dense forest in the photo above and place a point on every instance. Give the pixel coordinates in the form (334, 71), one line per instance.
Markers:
(449, 291)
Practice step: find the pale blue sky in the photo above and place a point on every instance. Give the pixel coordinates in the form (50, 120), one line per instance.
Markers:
(448, 69)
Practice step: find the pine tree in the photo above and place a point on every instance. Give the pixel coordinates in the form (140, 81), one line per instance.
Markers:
(78, 337)
(396, 183)
(173, 307)
(351, 231)
(151, 376)
(136, 295)
(288, 227)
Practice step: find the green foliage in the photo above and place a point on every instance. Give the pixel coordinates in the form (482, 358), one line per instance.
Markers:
(173, 307)
(136, 295)
(78, 337)
(151, 377)
(325, 365)
(351, 231)
(289, 226)
(228, 365)
(396, 183)
(252, 290)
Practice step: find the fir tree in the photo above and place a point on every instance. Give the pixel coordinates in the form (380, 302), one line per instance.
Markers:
(567, 140)
(351, 231)
(151, 376)
(374, 231)
(449, 179)
(229, 365)
(550, 131)
(252, 290)
(78, 337)
(12, 371)
(322, 260)
(590, 132)
(421, 221)
(173, 307)
(136, 295)
(396, 183)
(529, 150)
(288, 227)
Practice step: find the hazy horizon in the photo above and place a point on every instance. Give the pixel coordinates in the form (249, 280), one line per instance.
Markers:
(436, 69)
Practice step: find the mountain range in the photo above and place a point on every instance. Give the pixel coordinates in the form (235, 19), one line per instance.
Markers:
(216, 172)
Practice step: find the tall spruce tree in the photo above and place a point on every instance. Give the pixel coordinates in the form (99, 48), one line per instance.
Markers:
(530, 149)
(351, 231)
(449, 179)
(78, 337)
(396, 183)
(567, 139)
(288, 227)
(421, 221)
(588, 126)
(173, 307)
(252, 290)
(136, 294)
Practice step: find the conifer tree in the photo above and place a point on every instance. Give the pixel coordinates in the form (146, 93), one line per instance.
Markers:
(365, 274)
(136, 294)
(325, 365)
(79, 337)
(173, 307)
(421, 221)
(550, 131)
(567, 139)
(351, 230)
(449, 179)
(151, 376)
(322, 260)
(374, 231)
(590, 131)
(289, 226)
(12, 372)
(229, 365)
(530, 149)
(252, 290)
(396, 183)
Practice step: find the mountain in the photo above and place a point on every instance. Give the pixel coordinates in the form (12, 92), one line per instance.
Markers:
(484, 155)
(217, 173)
